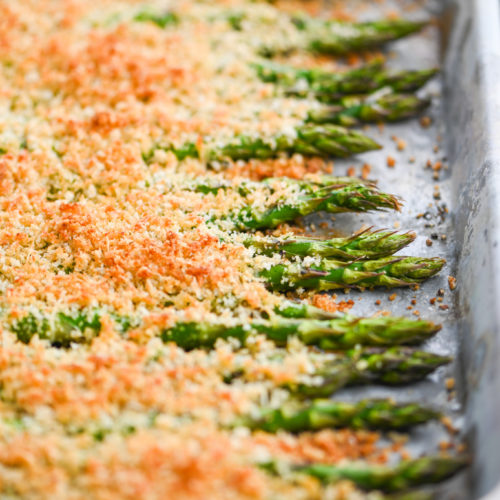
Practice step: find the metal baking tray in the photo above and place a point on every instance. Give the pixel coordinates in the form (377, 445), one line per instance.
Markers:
(460, 218)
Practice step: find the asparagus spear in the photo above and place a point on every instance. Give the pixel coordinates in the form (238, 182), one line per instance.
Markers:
(333, 274)
(301, 310)
(330, 87)
(353, 111)
(167, 18)
(410, 495)
(356, 81)
(300, 198)
(63, 329)
(319, 414)
(334, 198)
(393, 366)
(308, 140)
(407, 474)
(339, 38)
(364, 245)
(343, 332)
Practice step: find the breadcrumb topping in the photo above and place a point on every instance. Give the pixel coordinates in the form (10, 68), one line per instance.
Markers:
(87, 91)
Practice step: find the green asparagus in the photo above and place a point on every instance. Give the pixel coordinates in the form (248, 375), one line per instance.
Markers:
(353, 111)
(339, 38)
(334, 274)
(294, 416)
(398, 478)
(300, 198)
(407, 474)
(364, 245)
(340, 333)
(343, 332)
(393, 366)
(308, 140)
(338, 198)
(330, 87)
(167, 18)
(300, 310)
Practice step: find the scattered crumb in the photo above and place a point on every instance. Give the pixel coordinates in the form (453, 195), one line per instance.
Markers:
(444, 307)
(416, 312)
(392, 297)
(428, 242)
(425, 121)
(445, 445)
(401, 145)
(391, 161)
(351, 171)
(450, 383)
(452, 282)
(329, 303)
(377, 302)
(448, 424)
(432, 301)
(365, 171)
(440, 292)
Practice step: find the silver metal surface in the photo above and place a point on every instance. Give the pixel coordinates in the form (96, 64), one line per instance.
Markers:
(465, 137)
(472, 114)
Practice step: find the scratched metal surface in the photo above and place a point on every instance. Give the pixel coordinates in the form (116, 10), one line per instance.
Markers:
(462, 138)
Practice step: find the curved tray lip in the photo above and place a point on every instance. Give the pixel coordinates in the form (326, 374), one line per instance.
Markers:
(472, 78)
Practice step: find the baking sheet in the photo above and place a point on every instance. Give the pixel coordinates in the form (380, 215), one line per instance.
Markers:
(461, 222)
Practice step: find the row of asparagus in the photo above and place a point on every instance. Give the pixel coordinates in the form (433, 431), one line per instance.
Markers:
(364, 95)
(389, 366)
(321, 36)
(325, 132)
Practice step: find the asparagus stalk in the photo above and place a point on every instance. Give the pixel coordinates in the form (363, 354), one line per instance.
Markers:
(340, 38)
(300, 198)
(334, 198)
(381, 414)
(330, 87)
(355, 81)
(393, 366)
(403, 476)
(353, 111)
(409, 495)
(300, 310)
(334, 274)
(343, 332)
(167, 18)
(308, 140)
(364, 245)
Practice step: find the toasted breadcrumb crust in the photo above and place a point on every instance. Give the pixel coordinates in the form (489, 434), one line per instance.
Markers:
(86, 224)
